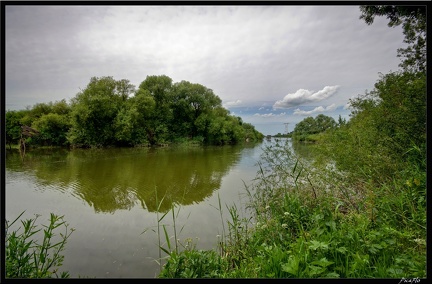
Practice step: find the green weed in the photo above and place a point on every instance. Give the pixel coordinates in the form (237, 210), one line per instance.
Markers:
(26, 257)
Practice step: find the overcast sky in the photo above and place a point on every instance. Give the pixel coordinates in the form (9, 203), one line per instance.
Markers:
(271, 65)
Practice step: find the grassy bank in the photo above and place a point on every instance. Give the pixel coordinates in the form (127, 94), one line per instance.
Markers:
(307, 220)
(313, 221)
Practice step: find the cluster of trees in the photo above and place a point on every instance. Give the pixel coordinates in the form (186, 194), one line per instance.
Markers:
(111, 112)
(366, 219)
(389, 121)
(386, 131)
(305, 129)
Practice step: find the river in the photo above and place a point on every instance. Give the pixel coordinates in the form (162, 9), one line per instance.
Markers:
(112, 198)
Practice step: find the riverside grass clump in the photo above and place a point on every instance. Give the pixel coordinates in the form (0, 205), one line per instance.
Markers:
(309, 220)
(26, 257)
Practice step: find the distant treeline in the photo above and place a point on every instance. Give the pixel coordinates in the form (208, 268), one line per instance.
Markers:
(111, 112)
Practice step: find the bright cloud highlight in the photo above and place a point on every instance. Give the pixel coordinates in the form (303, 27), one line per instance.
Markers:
(303, 96)
(232, 103)
(269, 114)
(315, 110)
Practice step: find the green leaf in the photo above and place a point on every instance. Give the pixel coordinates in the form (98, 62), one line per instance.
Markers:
(318, 245)
(323, 262)
(292, 266)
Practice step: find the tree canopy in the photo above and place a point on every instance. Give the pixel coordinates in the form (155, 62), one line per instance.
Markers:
(109, 112)
(386, 132)
(413, 21)
(310, 126)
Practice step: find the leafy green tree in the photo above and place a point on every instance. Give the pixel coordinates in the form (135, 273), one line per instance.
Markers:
(251, 133)
(105, 114)
(124, 88)
(133, 119)
(324, 122)
(40, 109)
(53, 129)
(51, 120)
(235, 130)
(310, 125)
(341, 121)
(413, 20)
(397, 110)
(184, 115)
(13, 125)
(189, 101)
(305, 127)
(159, 88)
(217, 133)
(94, 111)
(387, 127)
(61, 107)
(35, 112)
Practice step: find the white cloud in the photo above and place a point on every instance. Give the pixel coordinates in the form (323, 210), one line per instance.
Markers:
(232, 103)
(319, 109)
(269, 114)
(303, 96)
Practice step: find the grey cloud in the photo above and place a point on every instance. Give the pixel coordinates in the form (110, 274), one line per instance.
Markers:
(243, 53)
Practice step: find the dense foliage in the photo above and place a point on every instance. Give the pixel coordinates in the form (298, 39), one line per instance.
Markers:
(304, 130)
(28, 258)
(358, 209)
(111, 112)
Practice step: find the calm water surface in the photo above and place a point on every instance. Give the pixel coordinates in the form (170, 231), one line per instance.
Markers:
(110, 197)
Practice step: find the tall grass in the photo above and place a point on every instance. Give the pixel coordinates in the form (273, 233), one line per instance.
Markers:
(27, 256)
(168, 240)
(307, 220)
(311, 220)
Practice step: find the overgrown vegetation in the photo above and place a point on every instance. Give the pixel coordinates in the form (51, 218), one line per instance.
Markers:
(27, 257)
(358, 210)
(310, 128)
(111, 112)
(311, 220)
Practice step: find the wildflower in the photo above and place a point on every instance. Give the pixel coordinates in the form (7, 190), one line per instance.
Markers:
(284, 226)
(286, 213)
(420, 241)
(408, 183)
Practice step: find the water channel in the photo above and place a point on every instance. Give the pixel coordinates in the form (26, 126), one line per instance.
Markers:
(111, 196)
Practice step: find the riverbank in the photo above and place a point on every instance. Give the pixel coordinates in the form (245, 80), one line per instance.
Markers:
(317, 223)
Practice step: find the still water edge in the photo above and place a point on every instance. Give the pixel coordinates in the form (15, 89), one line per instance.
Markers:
(111, 196)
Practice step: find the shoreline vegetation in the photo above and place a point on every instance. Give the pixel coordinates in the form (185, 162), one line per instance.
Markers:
(356, 210)
(113, 113)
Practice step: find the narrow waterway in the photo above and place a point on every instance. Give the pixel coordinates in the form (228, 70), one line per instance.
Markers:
(113, 198)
